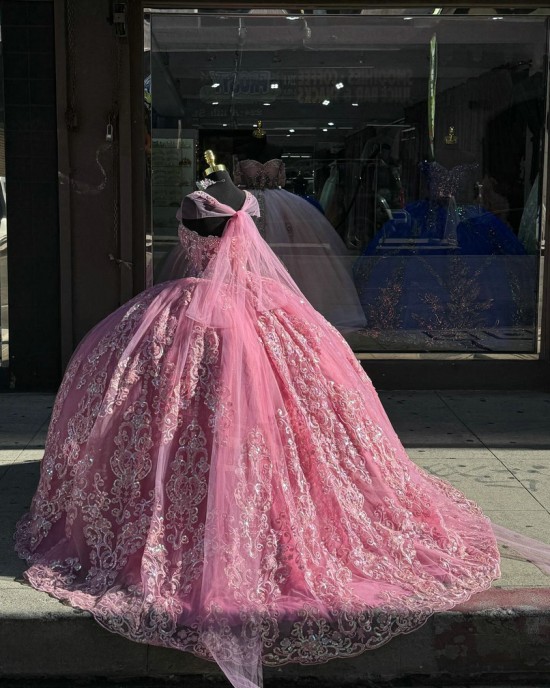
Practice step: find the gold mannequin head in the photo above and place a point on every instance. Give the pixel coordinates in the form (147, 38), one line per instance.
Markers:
(451, 138)
(210, 158)
(258, 131)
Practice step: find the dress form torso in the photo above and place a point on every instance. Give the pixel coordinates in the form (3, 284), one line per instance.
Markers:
(225, 191)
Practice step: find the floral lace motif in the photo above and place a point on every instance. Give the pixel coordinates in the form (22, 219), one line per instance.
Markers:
(322, 546)
(199, 250)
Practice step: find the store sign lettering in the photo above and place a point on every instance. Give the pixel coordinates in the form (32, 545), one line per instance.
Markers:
(243, 86)
(309, 85)
(314, 86)
(204, 113)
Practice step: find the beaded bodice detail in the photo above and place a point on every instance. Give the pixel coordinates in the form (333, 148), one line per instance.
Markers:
(257, 175)
(199, 250)
(458, 181)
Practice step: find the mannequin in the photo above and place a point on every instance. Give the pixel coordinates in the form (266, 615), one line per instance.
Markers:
(224, 190)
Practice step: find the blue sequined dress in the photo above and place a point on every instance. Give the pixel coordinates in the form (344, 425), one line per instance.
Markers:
(445, 263)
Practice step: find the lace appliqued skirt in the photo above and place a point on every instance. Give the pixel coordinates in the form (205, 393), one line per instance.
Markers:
(273, 516)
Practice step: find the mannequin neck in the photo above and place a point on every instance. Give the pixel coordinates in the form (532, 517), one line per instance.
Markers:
(225, 191)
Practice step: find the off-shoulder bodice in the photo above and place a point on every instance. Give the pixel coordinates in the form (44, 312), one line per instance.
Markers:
(253, 174)
(198, 250)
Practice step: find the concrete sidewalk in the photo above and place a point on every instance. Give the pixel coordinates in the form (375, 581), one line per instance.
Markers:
(494, 446)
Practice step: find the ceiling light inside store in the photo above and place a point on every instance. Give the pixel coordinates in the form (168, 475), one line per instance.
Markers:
(266, 103)
(407, 18)
(326, 102)
(215, 85)
(495, 18)
(224, 125)
(355, 104)
(339, 85)
(325, 129)
(215, 102)
(331, 124)
(274, 85)
(292, 131)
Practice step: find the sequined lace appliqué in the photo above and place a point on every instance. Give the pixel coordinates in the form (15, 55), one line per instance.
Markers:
(256, 175)
(341, 467)
(199, 250)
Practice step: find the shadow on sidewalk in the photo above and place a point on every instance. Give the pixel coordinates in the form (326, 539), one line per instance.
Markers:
(17, 488)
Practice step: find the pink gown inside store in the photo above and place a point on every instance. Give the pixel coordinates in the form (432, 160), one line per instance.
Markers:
(220, 477)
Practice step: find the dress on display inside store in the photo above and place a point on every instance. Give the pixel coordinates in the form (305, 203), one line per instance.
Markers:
(446, 263)
(220, 476)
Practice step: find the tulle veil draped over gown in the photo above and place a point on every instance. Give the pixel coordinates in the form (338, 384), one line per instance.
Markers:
(303, 240)
(221, 478)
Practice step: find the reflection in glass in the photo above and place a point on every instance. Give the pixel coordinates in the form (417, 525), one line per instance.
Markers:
(396, 159)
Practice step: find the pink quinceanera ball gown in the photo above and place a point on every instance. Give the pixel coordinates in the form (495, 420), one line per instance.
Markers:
(221, 478)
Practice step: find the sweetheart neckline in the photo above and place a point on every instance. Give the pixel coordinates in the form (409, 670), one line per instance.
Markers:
(454, 167)
(263, 164)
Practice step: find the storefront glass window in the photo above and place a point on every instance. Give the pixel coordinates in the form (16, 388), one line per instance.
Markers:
(4, 325)
(397, 160)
